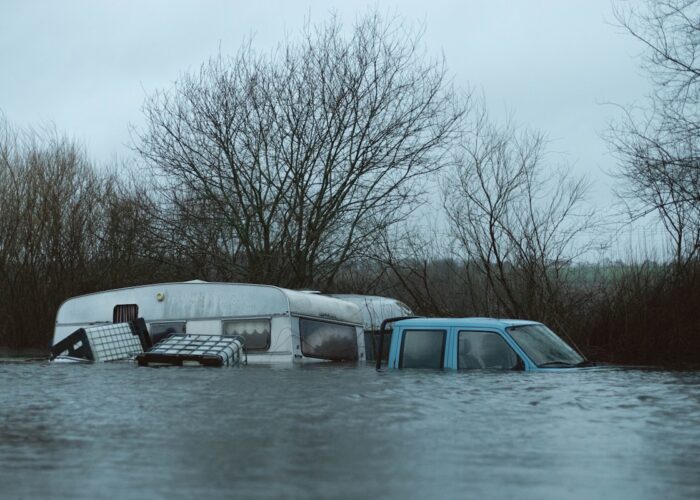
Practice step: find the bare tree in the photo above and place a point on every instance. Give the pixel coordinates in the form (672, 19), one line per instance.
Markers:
(659, 146)
(517, 227)
(280, 168)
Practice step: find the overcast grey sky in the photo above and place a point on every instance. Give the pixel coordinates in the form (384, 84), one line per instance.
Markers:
(87, 65)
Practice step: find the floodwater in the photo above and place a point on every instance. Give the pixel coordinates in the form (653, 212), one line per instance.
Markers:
(120, 431)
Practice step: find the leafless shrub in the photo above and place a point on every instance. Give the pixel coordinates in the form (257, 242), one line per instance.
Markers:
(65, 229)
(647, 315)
(419, 271)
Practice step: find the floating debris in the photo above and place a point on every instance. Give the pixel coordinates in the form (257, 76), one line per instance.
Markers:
(103, 343)
(201, 350)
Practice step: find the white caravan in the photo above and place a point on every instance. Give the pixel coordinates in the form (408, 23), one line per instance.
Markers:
(277, 324)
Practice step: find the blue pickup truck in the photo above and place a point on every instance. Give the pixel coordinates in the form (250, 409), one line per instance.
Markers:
(479, 343)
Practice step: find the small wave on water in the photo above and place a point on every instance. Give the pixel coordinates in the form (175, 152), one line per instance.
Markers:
(346, 432)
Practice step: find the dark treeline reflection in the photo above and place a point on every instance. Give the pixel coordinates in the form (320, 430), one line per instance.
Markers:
(303, 168)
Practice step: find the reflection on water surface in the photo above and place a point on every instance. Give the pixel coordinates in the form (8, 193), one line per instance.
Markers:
(344, 431)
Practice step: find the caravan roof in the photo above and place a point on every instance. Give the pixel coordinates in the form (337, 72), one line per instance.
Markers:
(192, 299)
(375, 309)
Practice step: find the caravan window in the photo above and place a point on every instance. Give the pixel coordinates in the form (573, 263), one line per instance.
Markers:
(324, 340)
(159, 331)
(255, 332)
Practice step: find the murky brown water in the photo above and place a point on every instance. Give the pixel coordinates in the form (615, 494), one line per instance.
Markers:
(346, 432)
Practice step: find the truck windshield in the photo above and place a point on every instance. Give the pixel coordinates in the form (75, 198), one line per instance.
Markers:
(544, 347)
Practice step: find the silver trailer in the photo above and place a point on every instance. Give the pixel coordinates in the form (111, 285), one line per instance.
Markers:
(277, 324)
(375, 309)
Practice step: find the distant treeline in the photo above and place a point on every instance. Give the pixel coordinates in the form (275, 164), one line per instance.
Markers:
(68, 230)
(304, 169)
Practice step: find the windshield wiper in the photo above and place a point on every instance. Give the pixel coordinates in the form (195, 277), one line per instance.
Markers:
(558, 364)
(564, 364)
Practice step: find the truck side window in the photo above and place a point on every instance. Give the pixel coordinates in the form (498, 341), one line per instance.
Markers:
(477, 350)
(422, 349)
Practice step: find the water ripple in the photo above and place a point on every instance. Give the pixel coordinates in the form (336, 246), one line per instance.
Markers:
(346, 432)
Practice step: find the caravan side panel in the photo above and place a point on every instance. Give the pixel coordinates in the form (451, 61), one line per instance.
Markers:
(172, 302)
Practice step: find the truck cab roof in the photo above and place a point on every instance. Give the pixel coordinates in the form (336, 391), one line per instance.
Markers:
(468, 322)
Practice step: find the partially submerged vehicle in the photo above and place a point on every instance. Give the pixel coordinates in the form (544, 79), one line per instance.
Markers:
(276, 324)
(478, 343)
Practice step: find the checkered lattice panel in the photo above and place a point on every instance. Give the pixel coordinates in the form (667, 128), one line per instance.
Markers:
(198, 345)
(111, 342)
